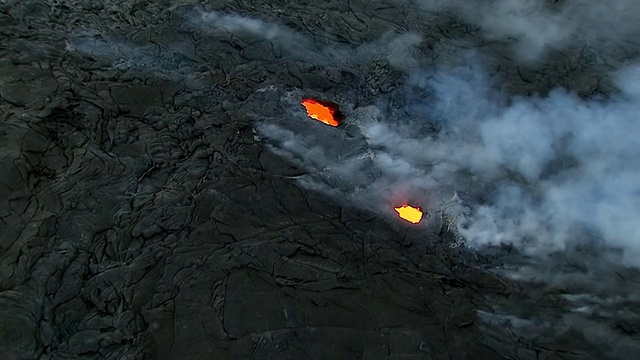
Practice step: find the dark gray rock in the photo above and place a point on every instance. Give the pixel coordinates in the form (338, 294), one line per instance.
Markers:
(142, 216)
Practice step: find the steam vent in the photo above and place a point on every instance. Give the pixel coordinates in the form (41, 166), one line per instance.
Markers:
(341, 180)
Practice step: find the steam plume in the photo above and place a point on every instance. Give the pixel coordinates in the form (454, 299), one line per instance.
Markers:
(540, 173)
(539, 26)
(560, 169)
(392, 45)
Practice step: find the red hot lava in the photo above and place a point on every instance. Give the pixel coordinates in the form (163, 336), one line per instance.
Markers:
(409, 213)
(323, 111)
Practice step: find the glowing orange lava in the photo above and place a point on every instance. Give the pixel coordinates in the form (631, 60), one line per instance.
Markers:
(322, 111)
(409, 213)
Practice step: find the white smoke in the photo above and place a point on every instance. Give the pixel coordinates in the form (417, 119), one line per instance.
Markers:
(537, 26)
(560, 169)
(394, 46)
(540, 173)
(237, 24)
(531, 138)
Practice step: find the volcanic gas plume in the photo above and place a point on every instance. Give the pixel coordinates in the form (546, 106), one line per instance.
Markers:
(544, 173)
(533, 170)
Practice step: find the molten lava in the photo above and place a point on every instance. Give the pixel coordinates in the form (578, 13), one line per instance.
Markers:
(323, 111)
(409, 213)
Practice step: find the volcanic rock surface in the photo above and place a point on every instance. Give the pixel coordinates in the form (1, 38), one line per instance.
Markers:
(143, 215)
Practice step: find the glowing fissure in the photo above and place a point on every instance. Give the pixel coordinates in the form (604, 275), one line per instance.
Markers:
(409, 213)
(321, 111)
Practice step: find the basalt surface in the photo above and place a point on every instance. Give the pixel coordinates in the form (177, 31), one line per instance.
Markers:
(142, 217)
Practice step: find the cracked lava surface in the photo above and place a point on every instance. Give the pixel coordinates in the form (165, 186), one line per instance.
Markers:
(143, 216)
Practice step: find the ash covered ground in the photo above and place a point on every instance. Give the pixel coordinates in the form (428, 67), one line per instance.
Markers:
(163, 194)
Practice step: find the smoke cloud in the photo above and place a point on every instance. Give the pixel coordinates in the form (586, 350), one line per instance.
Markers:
(394, 46)
(539, 173)
(539, 26)
(544, 174)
